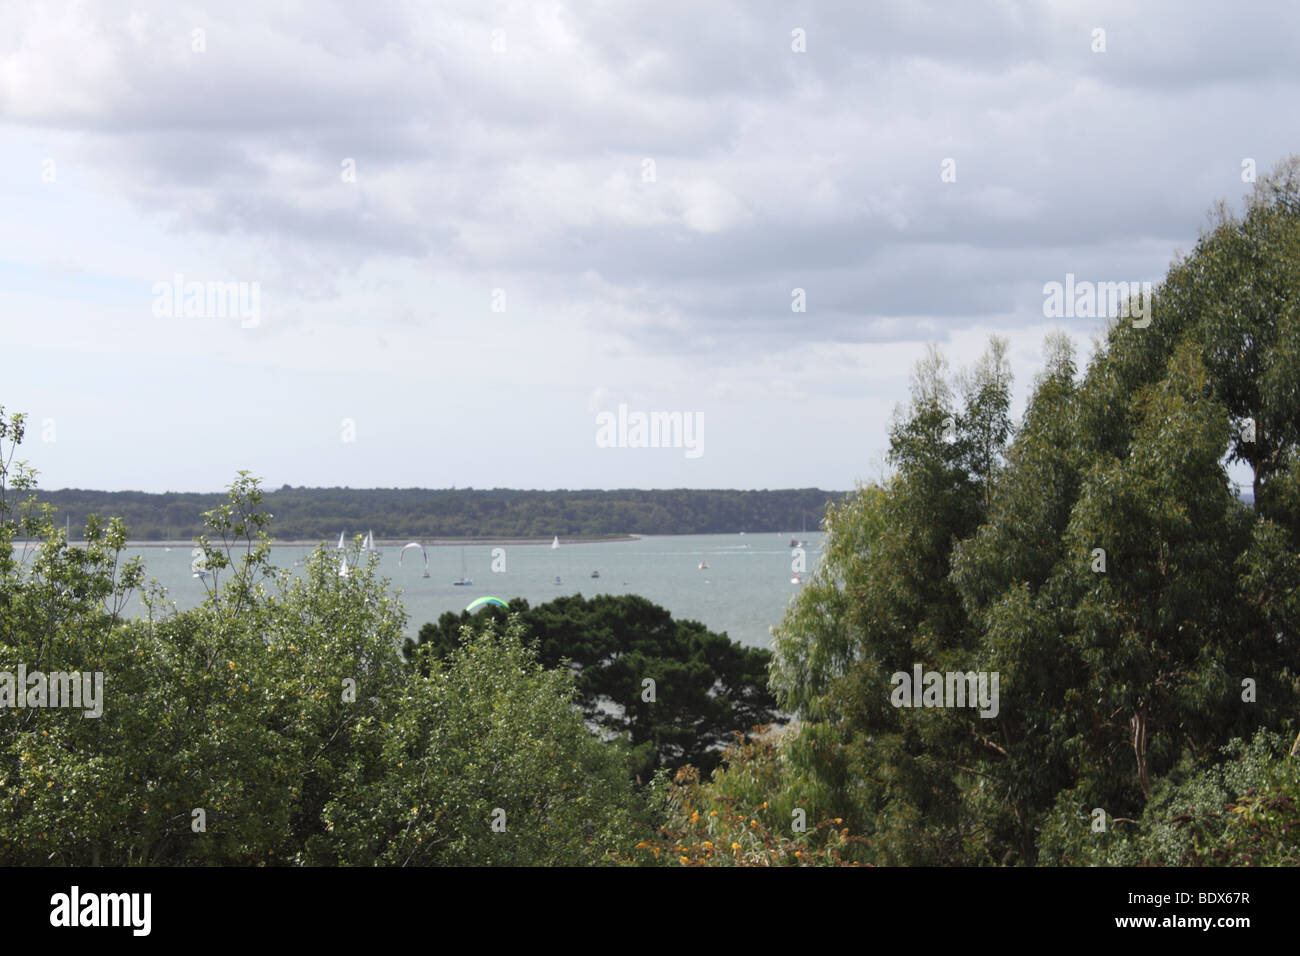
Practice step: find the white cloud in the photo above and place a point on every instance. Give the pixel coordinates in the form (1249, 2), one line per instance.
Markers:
(521, 170)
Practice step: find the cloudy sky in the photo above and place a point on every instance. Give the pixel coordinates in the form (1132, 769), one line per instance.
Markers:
(471, 227)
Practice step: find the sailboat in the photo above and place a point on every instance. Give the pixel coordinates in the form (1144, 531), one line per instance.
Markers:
(463, 579)
(555, 542)
(797, 542)
(369, 545)
(703, 563)
(340, 540)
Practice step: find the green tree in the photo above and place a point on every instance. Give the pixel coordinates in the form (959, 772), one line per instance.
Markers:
(881, 602)
(1136, 611)
(277, 723)
(705, 686)
(485, 760)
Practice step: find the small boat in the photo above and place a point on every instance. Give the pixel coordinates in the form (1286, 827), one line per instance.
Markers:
(796, 543)
(703, 564)
(463, 579)
(555, 542)
(340, 544)
(797, 579)
(343, 567)
(595, 574)
(369, 545)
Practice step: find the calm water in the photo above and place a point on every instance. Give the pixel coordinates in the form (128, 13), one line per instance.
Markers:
(743, 593)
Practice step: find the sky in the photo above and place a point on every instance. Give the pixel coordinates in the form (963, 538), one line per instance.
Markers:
(464, 234)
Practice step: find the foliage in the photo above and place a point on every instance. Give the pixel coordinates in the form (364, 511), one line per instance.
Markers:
(282, 710)
(706, 686)
(1097, 558)
(318, 514)
(742, 817)
(1240, 811)
(488, 736)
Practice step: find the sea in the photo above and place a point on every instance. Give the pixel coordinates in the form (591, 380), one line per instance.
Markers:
(743, 593)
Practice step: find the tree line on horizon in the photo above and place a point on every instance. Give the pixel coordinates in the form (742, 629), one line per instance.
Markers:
(319, 514)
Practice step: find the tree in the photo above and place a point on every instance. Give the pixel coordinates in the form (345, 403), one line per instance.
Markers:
(704, 685)
(881, 603)
(485, 761)
(277, 722)
(1138, 614)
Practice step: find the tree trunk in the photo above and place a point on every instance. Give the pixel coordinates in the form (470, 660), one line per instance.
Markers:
(1138, 725)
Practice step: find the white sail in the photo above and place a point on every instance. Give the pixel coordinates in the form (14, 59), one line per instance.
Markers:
(340, 540)
(555, 543)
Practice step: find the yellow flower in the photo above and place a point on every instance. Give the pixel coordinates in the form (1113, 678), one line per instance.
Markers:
(656, 850)
(695, 816)
(735, 846)
(232, 664)
(713, 813)
(838, 820)
(798, 855)
(753, 823)
(684, 860)
(764, 804)
(708, 845)
(643, 845)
